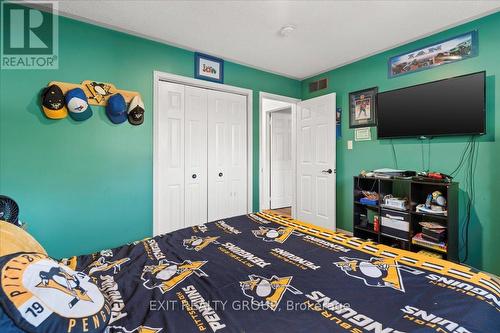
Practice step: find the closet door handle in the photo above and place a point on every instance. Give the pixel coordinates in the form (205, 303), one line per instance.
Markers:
(329, 171)
(194, 176)
(221, 174)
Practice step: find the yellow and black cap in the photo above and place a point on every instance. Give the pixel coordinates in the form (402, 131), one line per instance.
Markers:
(53, 103)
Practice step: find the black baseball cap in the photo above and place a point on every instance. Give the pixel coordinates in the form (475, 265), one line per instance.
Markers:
(53, 103)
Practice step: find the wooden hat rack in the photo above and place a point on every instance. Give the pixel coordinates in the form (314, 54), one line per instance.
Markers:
(97, 93)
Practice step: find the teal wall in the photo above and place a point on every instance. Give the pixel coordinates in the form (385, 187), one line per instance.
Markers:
(87, 186)
(445, 152)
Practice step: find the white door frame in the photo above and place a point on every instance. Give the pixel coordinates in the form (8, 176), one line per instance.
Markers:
(173, 78)
(264, 161)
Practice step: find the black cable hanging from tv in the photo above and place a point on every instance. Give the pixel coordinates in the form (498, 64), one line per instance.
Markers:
(462, 158)
(429, 154)
(469, 160)
(422, 151)
(394, 155)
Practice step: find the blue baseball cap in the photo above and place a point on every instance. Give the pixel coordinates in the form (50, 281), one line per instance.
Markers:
(77, 104)
(116, 109)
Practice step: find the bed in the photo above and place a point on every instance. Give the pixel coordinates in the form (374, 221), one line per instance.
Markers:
(254, 273)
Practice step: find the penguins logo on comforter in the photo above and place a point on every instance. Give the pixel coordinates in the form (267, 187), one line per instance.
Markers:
(267, 292)
(42, 295)
(374, 272)
(168, 274)
(278, 235)
(198, 243)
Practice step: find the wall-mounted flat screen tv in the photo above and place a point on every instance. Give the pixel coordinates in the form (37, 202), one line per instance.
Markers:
(454, 106)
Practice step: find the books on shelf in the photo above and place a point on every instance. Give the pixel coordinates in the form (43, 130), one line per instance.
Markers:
(418, 239)
(434, 232)
(434, 235)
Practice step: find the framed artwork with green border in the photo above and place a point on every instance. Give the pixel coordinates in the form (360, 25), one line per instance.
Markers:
(362, 107)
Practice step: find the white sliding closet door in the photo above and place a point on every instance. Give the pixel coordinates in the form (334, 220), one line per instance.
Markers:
(201, 170)
(227, 163)
(195, 156)
(170, 157)
(238, 154)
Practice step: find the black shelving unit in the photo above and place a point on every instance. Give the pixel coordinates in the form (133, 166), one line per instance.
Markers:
(416, 191)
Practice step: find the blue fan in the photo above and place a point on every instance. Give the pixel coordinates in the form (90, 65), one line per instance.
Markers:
(9, 210)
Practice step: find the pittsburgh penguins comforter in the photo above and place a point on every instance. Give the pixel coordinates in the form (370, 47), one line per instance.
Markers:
(255, 273)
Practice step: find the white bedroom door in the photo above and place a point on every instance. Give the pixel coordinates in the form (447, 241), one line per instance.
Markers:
(281, 159)
(227, 163)
(316, 161)
(195, 175)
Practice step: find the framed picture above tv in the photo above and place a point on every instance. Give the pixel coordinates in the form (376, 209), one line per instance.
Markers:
(362, 108)
(208, 68)
(445, 52)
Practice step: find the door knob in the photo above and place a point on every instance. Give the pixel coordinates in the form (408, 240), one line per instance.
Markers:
(220, 174)
(193, 176)
(327, 171)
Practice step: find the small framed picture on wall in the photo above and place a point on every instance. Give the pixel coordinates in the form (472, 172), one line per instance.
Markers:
(362, 108)
(208, 68)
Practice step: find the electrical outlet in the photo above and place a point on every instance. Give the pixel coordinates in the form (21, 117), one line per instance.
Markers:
(349, 144)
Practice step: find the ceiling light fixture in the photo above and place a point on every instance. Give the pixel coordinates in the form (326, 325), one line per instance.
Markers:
(286, 30)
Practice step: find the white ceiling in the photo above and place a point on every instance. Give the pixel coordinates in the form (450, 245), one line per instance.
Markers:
(328, 33)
